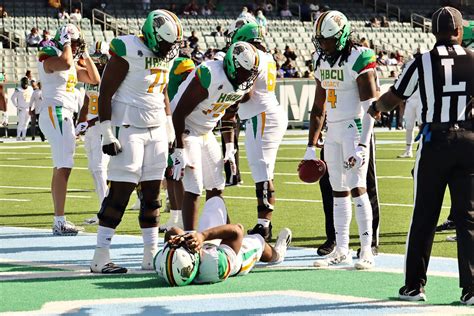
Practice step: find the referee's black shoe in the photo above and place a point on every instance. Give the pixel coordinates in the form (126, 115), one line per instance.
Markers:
(447, 225)
(326, 248)
(467, 296)
(412, 294)
(265, 232)
(375, 251)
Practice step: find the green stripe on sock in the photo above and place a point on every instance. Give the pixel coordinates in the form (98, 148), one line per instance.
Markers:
(358, 124)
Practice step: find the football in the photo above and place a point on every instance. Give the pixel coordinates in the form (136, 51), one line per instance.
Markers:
(311, 171)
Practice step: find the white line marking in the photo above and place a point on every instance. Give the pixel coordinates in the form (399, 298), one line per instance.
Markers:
(378, 159)
(41, 188)
(33, 153)
(38, 167)
(78, 196)
(14, 200)
(12, 158)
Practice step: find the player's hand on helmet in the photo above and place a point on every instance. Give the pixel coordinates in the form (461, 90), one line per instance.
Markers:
(194, 241)
(81, 128)
(110, 144)
(65, 36)
(229, 156)
(170, 129)
(179, 162)
(357, 159)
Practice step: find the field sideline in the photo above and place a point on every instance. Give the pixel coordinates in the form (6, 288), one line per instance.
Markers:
(26, 201)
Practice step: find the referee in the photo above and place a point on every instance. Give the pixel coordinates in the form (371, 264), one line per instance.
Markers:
(445, 156)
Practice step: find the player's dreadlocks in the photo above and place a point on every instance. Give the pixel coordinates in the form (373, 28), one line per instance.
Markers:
(342, 55)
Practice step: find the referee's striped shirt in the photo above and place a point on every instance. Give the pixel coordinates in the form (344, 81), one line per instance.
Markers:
(444, 77)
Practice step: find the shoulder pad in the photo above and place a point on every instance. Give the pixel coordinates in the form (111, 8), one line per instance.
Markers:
(117, 47)
(46, 52)
(203, 74)
(365, 60)
(182, 65)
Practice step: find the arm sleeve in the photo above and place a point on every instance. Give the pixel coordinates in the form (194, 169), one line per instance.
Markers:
(367, 124)
(407, 82)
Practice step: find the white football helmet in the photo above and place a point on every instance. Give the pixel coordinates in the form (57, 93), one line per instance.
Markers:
(241, 55)
(237, 24)
(177, 265)
(332, 24)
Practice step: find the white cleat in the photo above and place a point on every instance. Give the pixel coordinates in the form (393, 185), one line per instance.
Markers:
(91, 221)
(172, 222)
(149, 252)
(66, 229)
(136, 206)
(282, 243)
(366, 261)
(406, 154)
(337, 258)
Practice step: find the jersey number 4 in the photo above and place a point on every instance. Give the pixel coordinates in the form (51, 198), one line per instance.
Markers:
(331, 98)
(159, 79)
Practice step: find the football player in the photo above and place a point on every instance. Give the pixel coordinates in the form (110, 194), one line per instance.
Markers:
(88, 124)
(346, 84)
(59, 72)
(223, 249)
(266, 123)
(182, 67)
(200, 103)
(410, 117)
(133, 99)
(21, 100)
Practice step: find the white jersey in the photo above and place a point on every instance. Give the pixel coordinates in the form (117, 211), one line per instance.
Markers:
(342, 94)
(58, 87)
(221, 95)
(35, 101)
(143, 87)
(21, 97)
(92, 92)
(263, 97)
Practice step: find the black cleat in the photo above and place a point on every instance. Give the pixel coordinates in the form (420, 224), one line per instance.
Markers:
(111, 268)
(265, 232)
(467, 297)
(412, 294)
(375, 251)
(447, 225)
(326, 248)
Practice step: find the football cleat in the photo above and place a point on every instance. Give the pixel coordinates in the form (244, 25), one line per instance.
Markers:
(265, 232)
(149, 253)
(375, 251)
(452, 238)
(447, 225)
(172, 222)
(412, 294)
(91, 221)
(326, 248)
(282, 243)
(136, 206)
(366, 261)
(406, 154)
(65, 229)
(467, 297)
(337, 258)
(101, 263)
(311, 171)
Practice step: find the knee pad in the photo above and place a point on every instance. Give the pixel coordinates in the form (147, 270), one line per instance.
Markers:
(149, 211)
(265, 194)
(109, 217)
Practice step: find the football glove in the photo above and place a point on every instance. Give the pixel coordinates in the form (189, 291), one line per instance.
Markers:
(65, 37)
(310, 153)
(110, 144)
(357, 159)
(179, 162)
(229, 156)
(170, 129)
(81, 128)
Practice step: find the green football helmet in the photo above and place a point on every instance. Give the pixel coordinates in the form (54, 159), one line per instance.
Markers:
(250, 32)
(163, 27)
(331, 24)
(241, 65)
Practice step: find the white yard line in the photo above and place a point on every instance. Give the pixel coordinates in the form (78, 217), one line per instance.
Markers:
(41, 188)
(14, 200)
(78, 196)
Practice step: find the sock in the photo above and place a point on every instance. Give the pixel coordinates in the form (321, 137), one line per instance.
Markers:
(265, 222)
(363, 211)
(409, 139)
(59, 219)
(342, 221)
(100, 181)
(175, 215)
(150, 236)
(104, 236)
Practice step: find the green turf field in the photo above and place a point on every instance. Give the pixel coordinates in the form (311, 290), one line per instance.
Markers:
(26, 201)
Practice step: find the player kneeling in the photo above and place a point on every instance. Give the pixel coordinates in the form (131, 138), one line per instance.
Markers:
(219, 251)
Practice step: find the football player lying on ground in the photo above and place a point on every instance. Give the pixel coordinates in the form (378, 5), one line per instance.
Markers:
(219, 250)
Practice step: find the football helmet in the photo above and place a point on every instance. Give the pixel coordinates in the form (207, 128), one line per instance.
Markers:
(163, 33)
(78, 44)
(250, 32)
(331, 24)
(237, 24)
(99, 54)
(176, 264)
(241, 65)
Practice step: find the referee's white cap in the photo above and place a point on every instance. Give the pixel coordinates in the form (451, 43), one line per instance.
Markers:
(446, 19)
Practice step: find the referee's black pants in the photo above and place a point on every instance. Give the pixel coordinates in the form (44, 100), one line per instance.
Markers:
(445, 160)
(328, 207)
